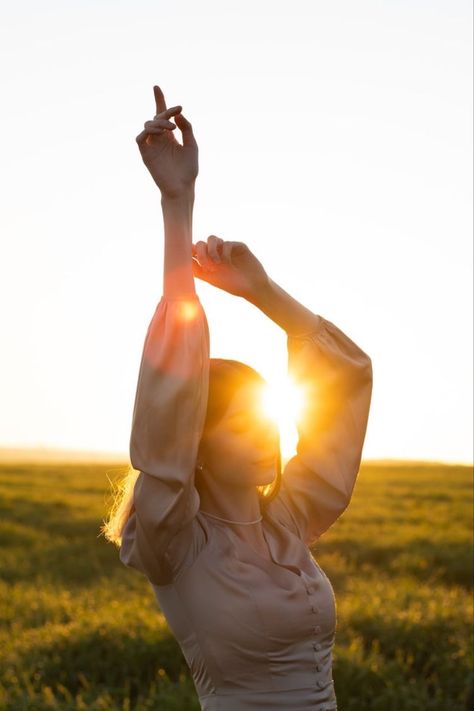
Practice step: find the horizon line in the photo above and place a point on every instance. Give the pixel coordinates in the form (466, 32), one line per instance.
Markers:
(45, 453)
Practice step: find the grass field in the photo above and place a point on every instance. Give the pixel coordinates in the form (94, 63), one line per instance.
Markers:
(81, 631)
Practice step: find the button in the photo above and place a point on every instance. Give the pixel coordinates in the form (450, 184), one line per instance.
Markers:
(321, 683)
(317, 645)
(314, 609)
(318, 667)
(308, 591)
(317, 629)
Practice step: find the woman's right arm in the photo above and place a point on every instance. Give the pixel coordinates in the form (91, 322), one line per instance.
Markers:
(178, 278)
(172, 390)
(168, 420)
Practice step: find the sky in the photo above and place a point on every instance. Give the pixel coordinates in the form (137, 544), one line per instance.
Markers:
(335, 140)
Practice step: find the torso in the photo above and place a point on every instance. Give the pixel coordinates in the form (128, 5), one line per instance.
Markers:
(263, 551)
(260, 546)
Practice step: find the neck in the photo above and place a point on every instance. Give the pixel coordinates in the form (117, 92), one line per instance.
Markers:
(239, 506)
(227, 520)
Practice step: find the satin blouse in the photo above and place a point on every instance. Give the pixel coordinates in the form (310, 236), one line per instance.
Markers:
(256, 634)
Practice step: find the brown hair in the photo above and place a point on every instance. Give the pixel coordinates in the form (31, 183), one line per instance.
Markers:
(226, 376)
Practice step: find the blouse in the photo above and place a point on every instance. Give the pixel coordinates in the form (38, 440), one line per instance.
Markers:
(256, 634)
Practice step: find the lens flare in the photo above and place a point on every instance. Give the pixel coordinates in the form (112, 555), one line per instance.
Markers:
(188, 310)
(282, 400)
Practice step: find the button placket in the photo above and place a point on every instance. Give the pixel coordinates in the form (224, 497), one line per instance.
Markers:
(317, 646)
(318, 666)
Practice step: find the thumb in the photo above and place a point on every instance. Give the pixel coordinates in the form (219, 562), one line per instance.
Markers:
(186, 130)
(198, 270)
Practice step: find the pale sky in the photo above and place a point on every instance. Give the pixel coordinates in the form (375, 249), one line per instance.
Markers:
(335, 139)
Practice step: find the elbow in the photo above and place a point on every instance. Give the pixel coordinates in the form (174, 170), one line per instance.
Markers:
(365, 374)
(366, 363)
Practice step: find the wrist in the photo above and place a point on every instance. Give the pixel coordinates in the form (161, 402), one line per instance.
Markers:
(184, 197)
(294, 318)
(178, 212)
(261, 294)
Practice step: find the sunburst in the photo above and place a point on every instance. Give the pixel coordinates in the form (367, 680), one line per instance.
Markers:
(283, 400)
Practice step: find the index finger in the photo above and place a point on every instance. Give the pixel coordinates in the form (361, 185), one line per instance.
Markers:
(159, 99)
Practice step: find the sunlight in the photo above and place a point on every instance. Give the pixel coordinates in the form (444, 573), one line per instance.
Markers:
(283, 401)
(188, 310)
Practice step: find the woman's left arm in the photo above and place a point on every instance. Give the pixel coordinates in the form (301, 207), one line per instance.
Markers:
(284, 310)
(336, 377)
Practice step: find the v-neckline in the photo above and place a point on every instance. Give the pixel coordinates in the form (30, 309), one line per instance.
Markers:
(269, 561)
(268, 558)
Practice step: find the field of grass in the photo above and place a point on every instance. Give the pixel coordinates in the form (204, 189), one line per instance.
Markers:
(79, 630)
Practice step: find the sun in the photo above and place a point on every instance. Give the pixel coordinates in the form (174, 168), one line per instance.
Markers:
(283, 400)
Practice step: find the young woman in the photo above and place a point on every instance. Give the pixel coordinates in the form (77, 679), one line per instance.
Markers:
(220, 532)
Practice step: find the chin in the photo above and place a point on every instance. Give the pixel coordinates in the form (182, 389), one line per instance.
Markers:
(266, 474)
(266, 481)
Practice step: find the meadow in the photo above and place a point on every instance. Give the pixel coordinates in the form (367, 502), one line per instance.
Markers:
(79, 630)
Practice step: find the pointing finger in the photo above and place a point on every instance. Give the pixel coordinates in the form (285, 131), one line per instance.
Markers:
(159, 99)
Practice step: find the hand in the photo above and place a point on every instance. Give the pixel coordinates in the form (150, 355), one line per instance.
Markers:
(173, 167)
(230, 266)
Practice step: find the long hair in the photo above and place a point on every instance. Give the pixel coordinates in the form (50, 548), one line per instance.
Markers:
(226, 377)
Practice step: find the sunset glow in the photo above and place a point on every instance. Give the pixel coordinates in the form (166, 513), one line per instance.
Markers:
(188, 310)
(283, 400)
(359, 209)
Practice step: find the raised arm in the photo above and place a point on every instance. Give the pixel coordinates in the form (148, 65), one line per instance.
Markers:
(336, 377)
(171, 397)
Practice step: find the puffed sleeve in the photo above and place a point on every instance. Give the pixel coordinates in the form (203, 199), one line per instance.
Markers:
(335, 377)
(167, 423)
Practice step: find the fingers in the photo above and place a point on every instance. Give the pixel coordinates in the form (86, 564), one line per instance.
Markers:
(141, 138)
(159, 99)
(227, 252)
(186, 129)
(169, 112)
(199, 271)
(209, 254)
(200, 251)
(236, 249)
(156, 127)
(159, 125)
(213, 245)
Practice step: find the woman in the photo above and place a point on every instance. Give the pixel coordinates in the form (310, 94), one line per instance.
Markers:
(220, 532)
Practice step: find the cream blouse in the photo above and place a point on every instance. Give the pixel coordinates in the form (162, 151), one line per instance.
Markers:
(256, 634)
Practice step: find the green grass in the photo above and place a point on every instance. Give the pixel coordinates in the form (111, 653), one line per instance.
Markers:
(81, 631)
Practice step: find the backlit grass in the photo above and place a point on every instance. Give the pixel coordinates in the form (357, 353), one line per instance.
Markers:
(81, 631)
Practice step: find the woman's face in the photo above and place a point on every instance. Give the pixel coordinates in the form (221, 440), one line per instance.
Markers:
(243, 447)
